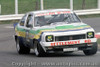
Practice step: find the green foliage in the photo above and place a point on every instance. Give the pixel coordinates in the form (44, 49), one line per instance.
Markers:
(8, 6)
(9, 22)
(89, 4)
(52, 4)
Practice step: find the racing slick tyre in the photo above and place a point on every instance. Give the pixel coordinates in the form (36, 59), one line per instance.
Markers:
(39, 52)
(92, 51)
(21, 49)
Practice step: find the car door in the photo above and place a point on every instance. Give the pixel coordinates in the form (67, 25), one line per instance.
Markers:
(28, 28)
(21, 27)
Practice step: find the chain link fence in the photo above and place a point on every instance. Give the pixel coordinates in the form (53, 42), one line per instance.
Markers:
(8, 6)
(85, 4)
(52, 4)
(27, 5)
(77, 4)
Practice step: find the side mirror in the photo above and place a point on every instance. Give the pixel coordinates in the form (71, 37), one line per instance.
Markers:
(15, 24)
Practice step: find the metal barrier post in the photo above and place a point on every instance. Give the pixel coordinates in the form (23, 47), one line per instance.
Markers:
(71, 4)
(16, 6)
(42, 5)
(98, 4)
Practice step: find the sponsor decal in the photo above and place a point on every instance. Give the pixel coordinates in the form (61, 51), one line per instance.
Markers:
(36, 34)
(87, 41)
(53, 13)
(69, 42)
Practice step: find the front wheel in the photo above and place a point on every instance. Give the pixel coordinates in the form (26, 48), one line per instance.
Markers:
(21, 48)
(92, 51)
(39, 52)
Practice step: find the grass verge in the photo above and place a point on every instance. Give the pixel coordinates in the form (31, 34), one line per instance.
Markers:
(90, 16)
(8, 6)
(9, 22)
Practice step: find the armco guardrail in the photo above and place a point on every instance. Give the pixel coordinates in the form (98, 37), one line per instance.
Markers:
(87, 12)
(78, 12)
(11, 17)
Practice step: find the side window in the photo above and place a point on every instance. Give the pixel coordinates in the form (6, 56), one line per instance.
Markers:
(29, 22)
(22, 22)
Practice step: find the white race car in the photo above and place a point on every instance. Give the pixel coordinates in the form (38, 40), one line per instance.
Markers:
(54, 31)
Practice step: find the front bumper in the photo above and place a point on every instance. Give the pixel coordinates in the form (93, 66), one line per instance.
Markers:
(60, 49)
(54, 47)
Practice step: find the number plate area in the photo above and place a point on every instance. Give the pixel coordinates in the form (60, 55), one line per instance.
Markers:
(70, 49)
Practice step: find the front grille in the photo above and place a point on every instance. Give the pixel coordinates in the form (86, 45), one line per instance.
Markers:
(72, 37)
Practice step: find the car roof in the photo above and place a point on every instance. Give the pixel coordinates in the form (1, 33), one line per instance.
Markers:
(50, 10)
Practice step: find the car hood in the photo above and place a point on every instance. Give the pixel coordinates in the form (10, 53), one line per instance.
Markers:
(65, 27)
(62, 28)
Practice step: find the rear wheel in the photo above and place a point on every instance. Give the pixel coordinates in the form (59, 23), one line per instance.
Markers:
(21, 49)
(92, 51)
(39, 52)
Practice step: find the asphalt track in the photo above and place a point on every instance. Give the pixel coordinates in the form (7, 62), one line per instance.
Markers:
(10, 58)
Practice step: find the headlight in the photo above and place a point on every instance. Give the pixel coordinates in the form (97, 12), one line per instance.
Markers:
(49, 38)
(90, 35)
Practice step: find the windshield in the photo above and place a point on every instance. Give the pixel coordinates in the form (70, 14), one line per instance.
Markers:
(57, 18)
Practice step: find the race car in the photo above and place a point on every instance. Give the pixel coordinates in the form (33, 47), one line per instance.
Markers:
(54, 31)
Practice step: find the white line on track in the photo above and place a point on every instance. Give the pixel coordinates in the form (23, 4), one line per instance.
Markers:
(8, 27)
(97, 51)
